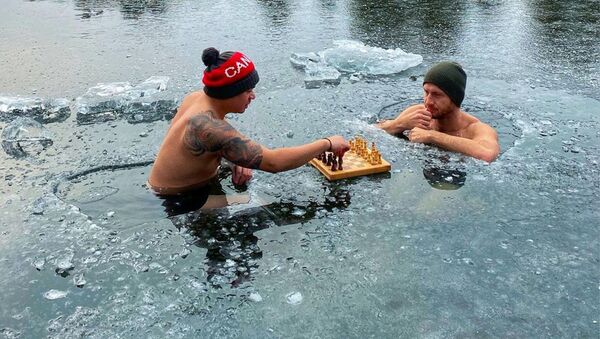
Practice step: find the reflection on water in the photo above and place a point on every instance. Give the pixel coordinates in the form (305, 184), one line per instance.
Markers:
(130, 9)
(227, 233)
(232, 250)
(433, 24)
(570, 28)
(521, 228)
(277, 12)
(444, 179)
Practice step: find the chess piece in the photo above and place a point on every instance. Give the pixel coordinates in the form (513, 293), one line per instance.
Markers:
(333, 164)
(340, 162)
(329, 158)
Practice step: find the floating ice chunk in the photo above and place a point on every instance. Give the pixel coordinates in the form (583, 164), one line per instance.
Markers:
(101, 103)
(40, 110)
(294, 298)
(39, 263)
(148, 87)
(25, 136)
(65, 262)
(8, 332)
(185, 252)
(18, 106)
(255, 297)
(302, 60)
(355, 57)
(38, 206)
(298, 212)
(79, 280)
(111, 89)
(319, 74)
(55, 294)
(43, 111)
(57, 110)
(142, 103)
(159, 106)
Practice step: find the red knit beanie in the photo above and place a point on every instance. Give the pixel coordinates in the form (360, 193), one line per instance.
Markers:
(227, 74)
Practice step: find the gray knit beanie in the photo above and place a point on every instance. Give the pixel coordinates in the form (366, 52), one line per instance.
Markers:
(450, 77)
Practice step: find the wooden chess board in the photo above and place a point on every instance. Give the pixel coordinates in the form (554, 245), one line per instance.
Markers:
(353, 166)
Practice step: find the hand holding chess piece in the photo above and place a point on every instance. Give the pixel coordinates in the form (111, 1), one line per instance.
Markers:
(338, 146)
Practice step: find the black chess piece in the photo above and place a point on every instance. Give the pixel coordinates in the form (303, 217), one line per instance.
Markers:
(340, 162)
(333, 164)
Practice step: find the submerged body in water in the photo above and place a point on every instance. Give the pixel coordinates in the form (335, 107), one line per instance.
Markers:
(441, 122)
(512, 253)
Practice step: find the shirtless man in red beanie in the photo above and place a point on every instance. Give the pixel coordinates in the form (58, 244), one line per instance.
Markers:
(200, 137)
(441, 122)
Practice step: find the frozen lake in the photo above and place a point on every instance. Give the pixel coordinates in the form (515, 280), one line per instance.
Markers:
(442, 246)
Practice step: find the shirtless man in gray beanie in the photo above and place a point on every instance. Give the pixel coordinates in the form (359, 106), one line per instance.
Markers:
(440, 121)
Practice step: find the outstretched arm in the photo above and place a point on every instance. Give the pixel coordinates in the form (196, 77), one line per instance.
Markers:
(207, 134)
(483, 145)
(287, 158)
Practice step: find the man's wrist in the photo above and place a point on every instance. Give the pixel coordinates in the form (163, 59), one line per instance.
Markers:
(435, 137)
(396, 127)
(330, 144)
(400, 127)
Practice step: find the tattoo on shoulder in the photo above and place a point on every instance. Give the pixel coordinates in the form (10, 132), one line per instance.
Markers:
(207, 134)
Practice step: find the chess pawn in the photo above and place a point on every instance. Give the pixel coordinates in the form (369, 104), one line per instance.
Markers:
(329, 159)
(334, 164)
(340, 162)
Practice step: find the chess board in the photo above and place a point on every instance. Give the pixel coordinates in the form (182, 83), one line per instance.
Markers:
(354, 166)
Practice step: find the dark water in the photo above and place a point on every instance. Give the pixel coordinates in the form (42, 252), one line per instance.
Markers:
(443, 246)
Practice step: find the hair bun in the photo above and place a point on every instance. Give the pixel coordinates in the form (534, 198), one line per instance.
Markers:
(210, 56)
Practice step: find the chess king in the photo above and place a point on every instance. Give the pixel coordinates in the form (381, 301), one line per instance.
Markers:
(199, 136)
(440, 121)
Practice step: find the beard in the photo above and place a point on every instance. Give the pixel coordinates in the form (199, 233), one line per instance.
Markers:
(439, 112)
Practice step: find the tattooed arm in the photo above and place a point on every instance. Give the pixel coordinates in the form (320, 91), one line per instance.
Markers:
(207, 134)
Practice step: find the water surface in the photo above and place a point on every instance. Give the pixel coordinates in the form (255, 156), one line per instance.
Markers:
(508, 249)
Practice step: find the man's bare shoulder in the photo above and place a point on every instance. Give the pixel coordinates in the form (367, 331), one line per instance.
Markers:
(205, 120)
(205, 133)
(192, 102)
(479, 129)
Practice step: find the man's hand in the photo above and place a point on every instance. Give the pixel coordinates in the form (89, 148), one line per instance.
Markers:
(240, 175)
(420, 135)
(416, 118)
(339, 145)
(413, 116)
